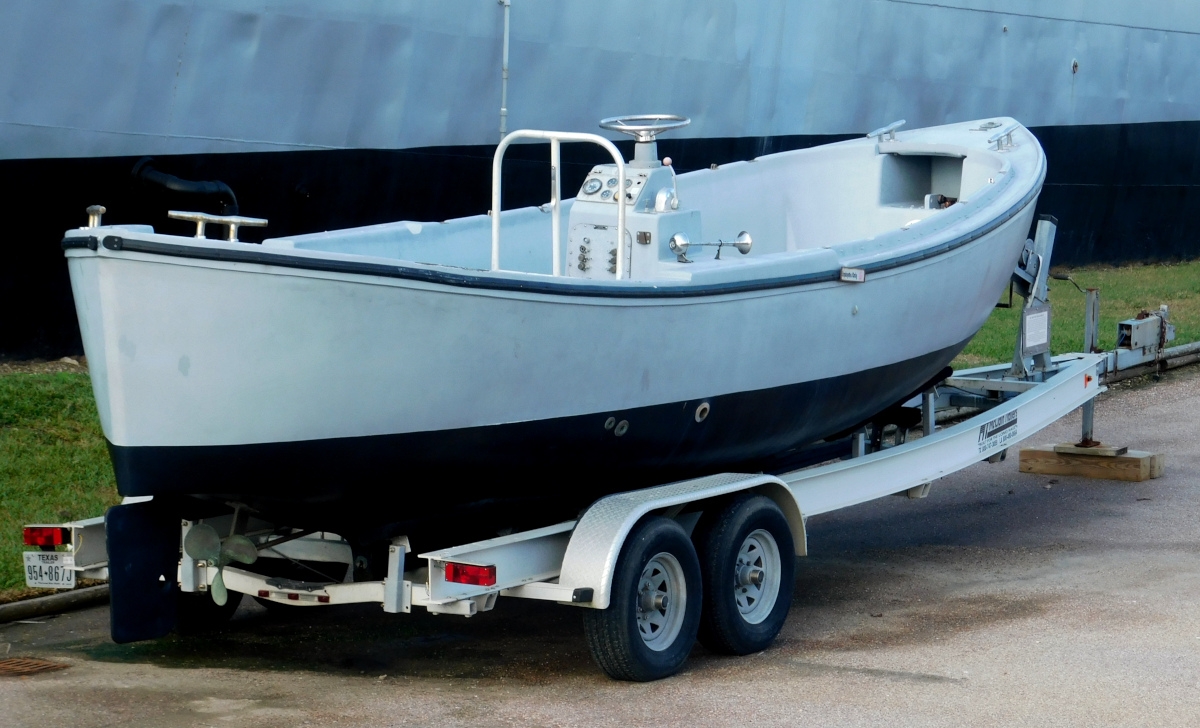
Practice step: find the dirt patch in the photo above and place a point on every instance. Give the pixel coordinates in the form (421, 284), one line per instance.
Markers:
(805, 668)
(919, 595)
(903, 622)
(42, 366)
(544, 644)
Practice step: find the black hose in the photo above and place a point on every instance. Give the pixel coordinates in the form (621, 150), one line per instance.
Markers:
(147, 173)
(1065, 277)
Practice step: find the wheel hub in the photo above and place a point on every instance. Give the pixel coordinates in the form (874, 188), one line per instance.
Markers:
(661, 598)
(750, 576)
(756, 576)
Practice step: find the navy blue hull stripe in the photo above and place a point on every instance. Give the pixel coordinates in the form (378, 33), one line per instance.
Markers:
(564, 462)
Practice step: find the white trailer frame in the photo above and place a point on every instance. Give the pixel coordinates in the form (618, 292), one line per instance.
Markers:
(573, 562)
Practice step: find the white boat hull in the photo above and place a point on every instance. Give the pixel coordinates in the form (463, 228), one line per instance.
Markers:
(188, 357)
(283, 375)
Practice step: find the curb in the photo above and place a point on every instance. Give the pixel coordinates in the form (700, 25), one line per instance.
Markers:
(54, 603)
(1168, 363)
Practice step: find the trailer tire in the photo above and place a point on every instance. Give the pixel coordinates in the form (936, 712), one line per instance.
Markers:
(649, 627)
(197, 613)
(748, 558)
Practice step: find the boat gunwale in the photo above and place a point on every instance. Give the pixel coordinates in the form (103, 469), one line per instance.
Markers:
(548, 287)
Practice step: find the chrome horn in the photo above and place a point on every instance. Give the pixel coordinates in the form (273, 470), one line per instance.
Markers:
(742, 243)
(679, 245)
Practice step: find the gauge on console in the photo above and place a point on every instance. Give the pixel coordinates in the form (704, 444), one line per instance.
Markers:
(591, 187)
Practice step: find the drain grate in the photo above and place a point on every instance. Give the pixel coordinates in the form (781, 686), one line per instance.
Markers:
(18, 666)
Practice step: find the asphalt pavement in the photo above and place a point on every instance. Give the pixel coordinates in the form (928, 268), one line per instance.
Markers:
(1002, 599)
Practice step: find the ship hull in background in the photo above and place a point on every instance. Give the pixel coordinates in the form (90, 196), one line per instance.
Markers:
(331, 115)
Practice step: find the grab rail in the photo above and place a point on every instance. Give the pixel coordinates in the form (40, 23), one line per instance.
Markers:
(556, 138)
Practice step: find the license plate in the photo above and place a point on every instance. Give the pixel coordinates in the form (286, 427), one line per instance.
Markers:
(50, 569)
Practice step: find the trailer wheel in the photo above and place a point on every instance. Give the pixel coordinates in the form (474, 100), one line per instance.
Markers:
(196, 613)
(749, 564)
(650, 624)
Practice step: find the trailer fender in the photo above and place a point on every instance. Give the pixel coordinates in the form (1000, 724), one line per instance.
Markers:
(591, 556)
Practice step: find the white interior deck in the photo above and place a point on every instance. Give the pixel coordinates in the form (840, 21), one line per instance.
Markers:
(802, 208)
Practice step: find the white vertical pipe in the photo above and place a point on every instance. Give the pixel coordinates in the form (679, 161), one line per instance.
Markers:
(1091, 342)
(555, 199)
(497, 163)
(620, 219)
(928, 413)
(504, 73)
(1091, 321)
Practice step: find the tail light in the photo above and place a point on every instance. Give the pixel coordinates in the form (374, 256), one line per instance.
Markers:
(471, 574)
(45, 536)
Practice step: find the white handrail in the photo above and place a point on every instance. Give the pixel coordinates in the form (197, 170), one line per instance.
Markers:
(556, 138)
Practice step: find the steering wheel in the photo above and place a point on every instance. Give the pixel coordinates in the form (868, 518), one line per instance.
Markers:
(644, 127)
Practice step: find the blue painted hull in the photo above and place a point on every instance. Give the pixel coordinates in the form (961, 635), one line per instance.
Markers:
(547, 468)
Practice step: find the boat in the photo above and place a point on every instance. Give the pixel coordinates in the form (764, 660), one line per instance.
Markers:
(330, 115)
(530, 361)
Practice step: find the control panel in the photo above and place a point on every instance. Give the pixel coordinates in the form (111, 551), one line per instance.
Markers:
(651, 218)
(592, 251)
(601, 185)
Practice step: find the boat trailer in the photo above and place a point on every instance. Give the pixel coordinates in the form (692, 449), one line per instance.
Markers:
(580, 562)
(577, 562)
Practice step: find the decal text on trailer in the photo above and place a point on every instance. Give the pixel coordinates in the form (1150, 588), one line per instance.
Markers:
(998, 432)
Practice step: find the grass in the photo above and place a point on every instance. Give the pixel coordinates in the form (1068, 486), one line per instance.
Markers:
(54, 464)
(1124, 292)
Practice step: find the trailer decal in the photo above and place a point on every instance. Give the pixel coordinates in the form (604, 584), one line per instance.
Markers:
(998, 432)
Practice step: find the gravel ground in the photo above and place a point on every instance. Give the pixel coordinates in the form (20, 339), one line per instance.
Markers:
(1001, 599)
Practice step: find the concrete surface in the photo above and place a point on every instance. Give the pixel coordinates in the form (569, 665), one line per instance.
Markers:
(1002, 599)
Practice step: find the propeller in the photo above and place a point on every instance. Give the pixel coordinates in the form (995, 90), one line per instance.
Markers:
(203, 543)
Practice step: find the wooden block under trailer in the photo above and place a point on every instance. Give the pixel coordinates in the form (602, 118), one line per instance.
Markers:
(1133, 465)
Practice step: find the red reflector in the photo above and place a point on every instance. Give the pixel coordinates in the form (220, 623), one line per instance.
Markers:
(264, 593)
(470, 574)
(45, 536)
(294, 597)
(322, 599)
